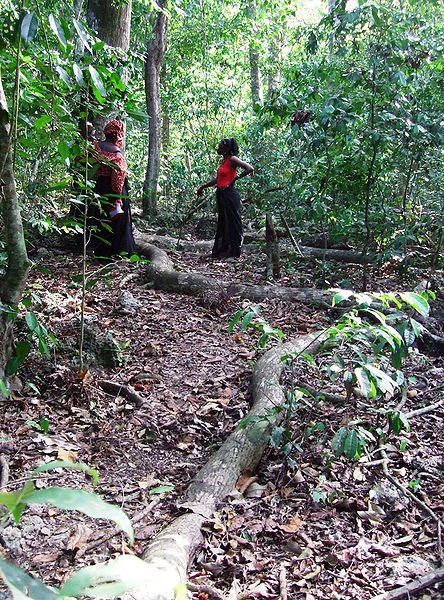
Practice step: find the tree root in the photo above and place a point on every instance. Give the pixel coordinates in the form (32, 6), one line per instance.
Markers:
(414, 586)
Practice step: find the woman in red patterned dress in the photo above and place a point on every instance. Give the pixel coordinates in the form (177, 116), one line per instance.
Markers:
(110, 220)
(228, 240)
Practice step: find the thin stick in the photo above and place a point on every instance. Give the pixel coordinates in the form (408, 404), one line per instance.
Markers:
(283, 583)
(424, 410)
(414, 586)
(291, 236)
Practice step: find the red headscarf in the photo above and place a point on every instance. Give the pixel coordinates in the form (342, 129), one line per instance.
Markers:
(115, 130)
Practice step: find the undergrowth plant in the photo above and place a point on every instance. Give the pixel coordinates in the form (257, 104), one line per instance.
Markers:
(365, 351)
(103, 580)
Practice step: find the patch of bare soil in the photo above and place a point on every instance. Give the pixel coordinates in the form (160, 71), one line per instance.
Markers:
(315, 527)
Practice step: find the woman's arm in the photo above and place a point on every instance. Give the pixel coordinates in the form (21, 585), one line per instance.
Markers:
(204, 186)
(247, 169)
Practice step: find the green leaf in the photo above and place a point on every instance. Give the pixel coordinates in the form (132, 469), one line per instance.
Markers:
(64, 76)
(86, 502)
(57, 29)
(66, 464)
(15, 502)
(247, 319)
(416, 301)
(83, 35)
(42, 121)
(338, 440)
(4, 389)
(109, 580)
(341, 296)
(31, 321)
(161, 489)
(351, 443)
(24, 586)
(28, 28)
(97, 80)
(364, 382)
(78, 74)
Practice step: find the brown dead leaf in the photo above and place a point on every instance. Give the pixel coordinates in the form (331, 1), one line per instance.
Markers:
(292, 525)
(244, 481)
(79, 538)
(67, 455)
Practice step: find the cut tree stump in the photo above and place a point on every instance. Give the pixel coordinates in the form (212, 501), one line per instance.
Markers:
(171, 552)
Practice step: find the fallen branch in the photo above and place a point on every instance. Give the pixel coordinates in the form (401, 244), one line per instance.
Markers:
(210, 591)
(169, 555)
(424, 410)
(414, 586)
(121, 390)
(415, 500)
(283, 583)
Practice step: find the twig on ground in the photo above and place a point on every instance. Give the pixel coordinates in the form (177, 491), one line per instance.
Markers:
(335, 398)
(283, 583)
(414, 586)
(4, 472)
(203, 588)
(415, 500)
(424, 410)
(121, 390)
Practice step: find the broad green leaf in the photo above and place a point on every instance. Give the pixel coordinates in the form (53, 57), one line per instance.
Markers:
(86, 502)
(4, 389)
(110, 579)
(364, 382)
(83, 35)
(57, 29)
(64, 76)
(351, 444)
(28, 28)
(78, 74)
(66, 464)
(15, 502)
(42, 121)
(97, 80)
(341, 296)
(64, 149)
(337, 443)
(385, 382)
(24, 586)
(247, 319)
(417, 327)
(31, 321)
(417, 302)
(161, 489)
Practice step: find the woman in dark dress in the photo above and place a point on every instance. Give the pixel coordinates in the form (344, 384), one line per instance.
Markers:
(109, 216)
(228, 240)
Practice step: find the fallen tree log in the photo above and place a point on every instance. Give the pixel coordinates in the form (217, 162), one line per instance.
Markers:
(204, 247)
(170, 554)
(160, 275)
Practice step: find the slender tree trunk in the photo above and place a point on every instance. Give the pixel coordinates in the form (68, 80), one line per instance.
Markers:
(153, 62)
(273, 73)
(13, 281)
(255, 81)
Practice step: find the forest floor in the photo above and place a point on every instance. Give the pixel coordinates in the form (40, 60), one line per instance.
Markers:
(320, 527)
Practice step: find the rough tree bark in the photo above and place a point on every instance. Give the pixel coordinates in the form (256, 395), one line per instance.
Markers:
(170, 554)
(111, 21)
(13, 281)
(153, 62)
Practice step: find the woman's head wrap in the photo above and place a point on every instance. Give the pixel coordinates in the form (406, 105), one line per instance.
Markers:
(115, 130)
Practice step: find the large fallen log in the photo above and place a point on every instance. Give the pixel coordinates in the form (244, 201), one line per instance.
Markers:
(160, 275)
(171, 552)
(204, 247)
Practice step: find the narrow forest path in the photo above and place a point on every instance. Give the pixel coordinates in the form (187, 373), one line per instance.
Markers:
(316, 531)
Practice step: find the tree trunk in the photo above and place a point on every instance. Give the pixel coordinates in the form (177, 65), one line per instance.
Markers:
(111, 20)
(255, 81)
(12, 283)
(273, 73)
(153, 62)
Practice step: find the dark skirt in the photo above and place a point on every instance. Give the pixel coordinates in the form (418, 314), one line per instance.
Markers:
(228, 240)
(106, 237)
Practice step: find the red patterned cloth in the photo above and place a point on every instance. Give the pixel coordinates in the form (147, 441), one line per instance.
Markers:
(116, 131)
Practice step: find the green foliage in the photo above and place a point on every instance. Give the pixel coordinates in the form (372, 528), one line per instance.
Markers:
(249, 318)
(106, 580)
